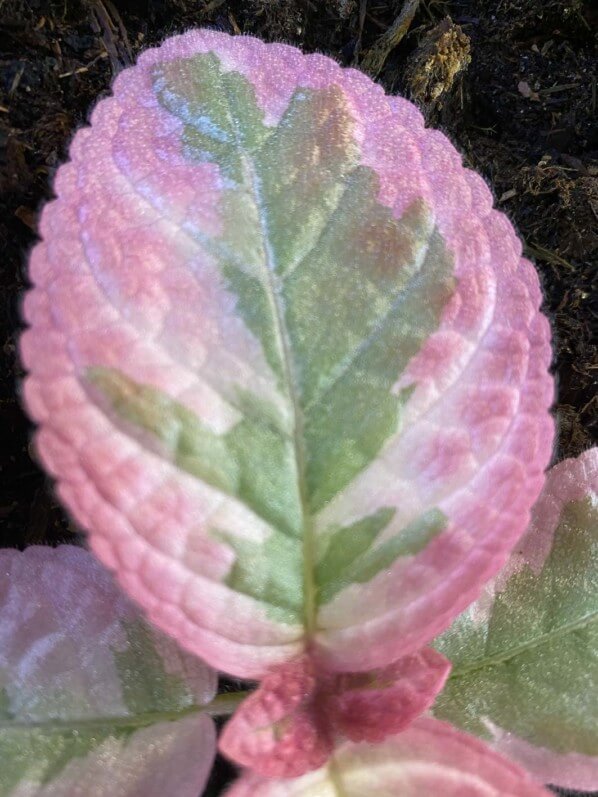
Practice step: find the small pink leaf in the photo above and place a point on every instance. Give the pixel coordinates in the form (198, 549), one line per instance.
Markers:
(287, 362)
(370, 706)
(278, 730)
(287, 726)
(92, 700)
(429, 758)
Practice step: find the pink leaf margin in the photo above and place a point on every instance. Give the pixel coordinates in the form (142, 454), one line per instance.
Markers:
(568, 481)
(430, 757)
(567, 770)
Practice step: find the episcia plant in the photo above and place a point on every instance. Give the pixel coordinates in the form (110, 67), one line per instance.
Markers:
(95, 701)
(290, 375)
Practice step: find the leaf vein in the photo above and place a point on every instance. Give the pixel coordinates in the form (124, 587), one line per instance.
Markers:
(507, 655)
(401, 295)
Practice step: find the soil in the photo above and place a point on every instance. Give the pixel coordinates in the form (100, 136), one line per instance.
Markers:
(512, 82)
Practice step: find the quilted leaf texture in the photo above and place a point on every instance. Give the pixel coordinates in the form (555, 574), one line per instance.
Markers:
(92, 700)
(525, 670)
(289, 725)
(287, 362)
(278, 730)
(429, 758)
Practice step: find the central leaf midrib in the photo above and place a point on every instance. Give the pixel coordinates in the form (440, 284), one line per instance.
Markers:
(96, 723)
(336, 778)
(221, 705)
(507, 655)
(298, 438)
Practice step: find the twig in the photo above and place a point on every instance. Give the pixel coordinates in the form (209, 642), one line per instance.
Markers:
(376, 56)
(210, 6)
(109, 22)
(562, 87)
(363, 4)
(546, 254)
(85, 68)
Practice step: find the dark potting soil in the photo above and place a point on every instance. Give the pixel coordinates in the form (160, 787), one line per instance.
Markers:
(512, 82)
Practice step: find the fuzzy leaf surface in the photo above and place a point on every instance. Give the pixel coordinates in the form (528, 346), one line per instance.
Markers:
(525, 671)
(92, 700)
(305, 406)
(288, 726)
(430, 757)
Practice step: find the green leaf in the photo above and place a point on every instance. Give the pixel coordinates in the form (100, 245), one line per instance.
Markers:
(524, 658)
(86, 685)
(105, 759)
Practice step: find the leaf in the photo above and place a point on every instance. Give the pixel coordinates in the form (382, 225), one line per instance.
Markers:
(525, 671)
(289, 724)
(370, 706)
(92, 700)
(287, 362)
(278, 731)
(430, 757)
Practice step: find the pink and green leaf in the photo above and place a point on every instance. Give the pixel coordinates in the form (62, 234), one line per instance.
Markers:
(525, 671)
(92, 700)
(430, 757)
(287, 362)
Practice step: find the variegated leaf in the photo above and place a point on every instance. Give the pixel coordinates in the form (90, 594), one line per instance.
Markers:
(429, 758)
(525, 655)
(92, 700)
(287, 361)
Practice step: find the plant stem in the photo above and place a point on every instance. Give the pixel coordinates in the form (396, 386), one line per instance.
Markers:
(224, 705)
